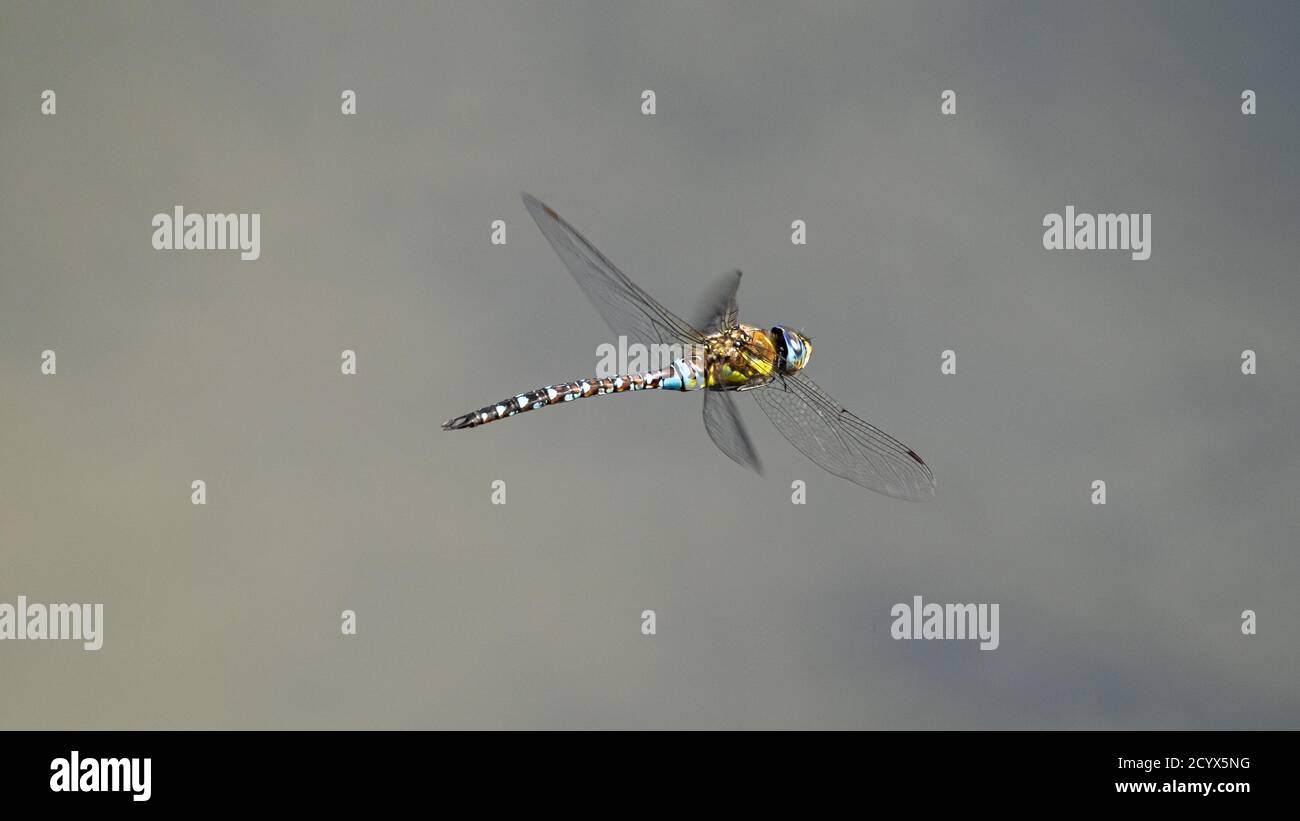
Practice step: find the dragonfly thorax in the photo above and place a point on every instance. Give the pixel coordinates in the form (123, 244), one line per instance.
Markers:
(741, 357)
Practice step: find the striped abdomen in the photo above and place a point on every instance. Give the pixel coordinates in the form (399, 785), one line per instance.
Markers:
(682, 375)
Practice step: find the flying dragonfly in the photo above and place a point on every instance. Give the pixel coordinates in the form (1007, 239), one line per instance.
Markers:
(722, 357)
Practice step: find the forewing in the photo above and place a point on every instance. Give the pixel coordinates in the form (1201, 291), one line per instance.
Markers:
(627, 309)
(718, 310)
(727, 430)
(840, 442)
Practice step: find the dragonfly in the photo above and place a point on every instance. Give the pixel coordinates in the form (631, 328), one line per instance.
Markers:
(722, 357)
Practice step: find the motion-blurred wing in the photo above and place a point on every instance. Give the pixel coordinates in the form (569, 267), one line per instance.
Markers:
(718, 310)
(727, 430)
(842, 443)
(627, 309)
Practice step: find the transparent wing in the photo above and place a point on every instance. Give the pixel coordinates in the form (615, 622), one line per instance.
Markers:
(627, 309)
(842, 443)
(727, 430)
(718, 309)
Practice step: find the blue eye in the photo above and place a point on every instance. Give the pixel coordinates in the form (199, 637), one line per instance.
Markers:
(790, 349)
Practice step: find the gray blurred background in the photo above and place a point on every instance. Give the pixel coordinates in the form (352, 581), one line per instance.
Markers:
(328, 492)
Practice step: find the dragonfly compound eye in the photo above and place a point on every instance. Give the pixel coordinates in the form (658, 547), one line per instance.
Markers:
(792, 349)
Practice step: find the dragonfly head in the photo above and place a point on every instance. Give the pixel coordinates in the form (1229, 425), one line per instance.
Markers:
(793, 349)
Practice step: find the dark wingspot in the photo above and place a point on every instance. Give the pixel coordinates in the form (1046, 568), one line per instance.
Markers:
(914, 456)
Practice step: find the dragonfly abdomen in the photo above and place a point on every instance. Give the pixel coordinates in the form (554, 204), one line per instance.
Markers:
(682, 375)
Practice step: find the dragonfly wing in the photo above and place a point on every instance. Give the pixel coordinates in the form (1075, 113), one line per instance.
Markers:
(727, 430)
(718, 310)
(840, 442)
(628, 310)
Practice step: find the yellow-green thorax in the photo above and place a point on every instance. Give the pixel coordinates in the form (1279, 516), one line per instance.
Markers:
(739, 358)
